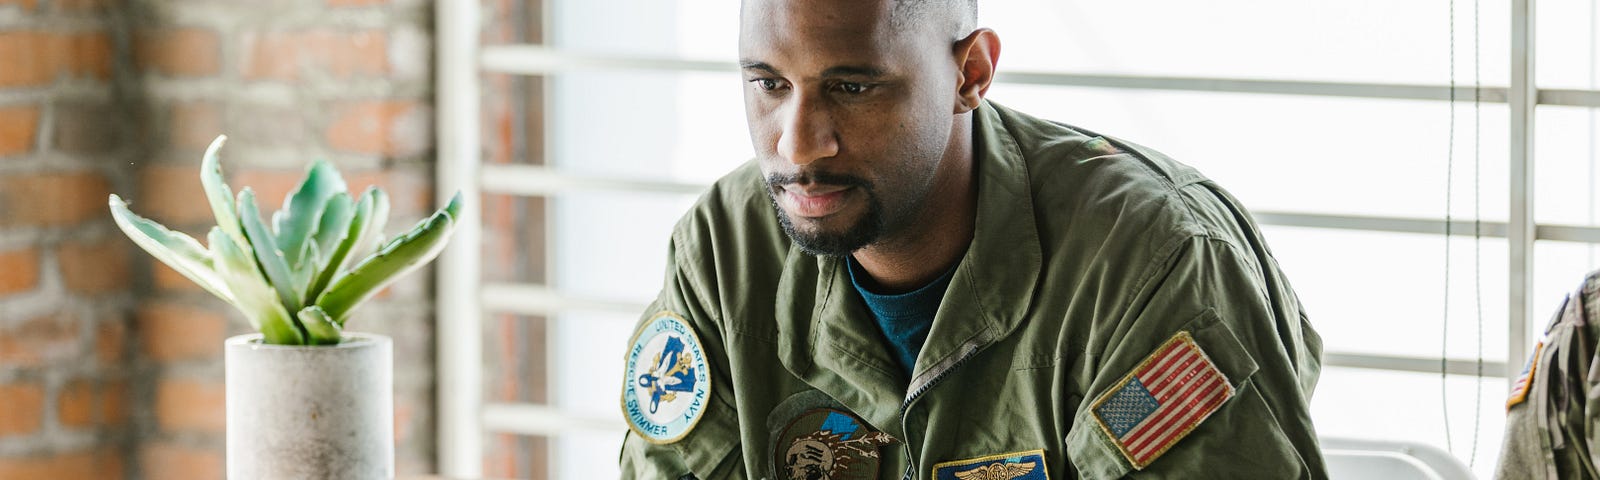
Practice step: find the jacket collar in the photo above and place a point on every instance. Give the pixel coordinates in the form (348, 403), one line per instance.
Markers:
(829, 339)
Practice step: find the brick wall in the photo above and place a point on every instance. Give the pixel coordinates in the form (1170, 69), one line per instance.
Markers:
(110, 363)
(514, 242)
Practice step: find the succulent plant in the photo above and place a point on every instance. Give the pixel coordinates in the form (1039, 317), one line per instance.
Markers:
(290, 280)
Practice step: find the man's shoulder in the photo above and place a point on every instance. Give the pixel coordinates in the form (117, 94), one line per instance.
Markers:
(1086, 184)
(1063, 159)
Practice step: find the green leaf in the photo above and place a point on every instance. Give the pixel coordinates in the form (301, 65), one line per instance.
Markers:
(306, 273)
(358, 231)
(454, 207)
(335, 223)
(398, 257)
(303, 208)
(217, 191)
(252, 295)
(323, 330)
(177, 250)
(380, 219)
(267, 252)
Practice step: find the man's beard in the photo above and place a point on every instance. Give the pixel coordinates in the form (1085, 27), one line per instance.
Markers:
(863, 232)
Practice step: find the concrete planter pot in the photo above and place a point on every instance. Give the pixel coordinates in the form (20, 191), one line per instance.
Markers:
(310, 411)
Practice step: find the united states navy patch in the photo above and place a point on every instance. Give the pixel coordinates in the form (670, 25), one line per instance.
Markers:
(1161, 400)
(668, 384)
(1519, 388)
(1027, 465)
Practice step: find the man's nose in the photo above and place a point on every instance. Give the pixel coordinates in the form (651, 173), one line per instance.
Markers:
(808, 133)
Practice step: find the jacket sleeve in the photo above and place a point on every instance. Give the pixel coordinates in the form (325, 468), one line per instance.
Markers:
(709, 449)
(1551, 414)
(1234, 304)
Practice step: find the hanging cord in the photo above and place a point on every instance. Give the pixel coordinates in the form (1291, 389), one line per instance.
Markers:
(1477, 224)
(1449, 175)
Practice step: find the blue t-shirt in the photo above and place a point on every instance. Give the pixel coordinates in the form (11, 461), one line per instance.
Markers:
(903, 318)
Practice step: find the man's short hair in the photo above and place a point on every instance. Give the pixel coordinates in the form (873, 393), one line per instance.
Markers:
(959, 17)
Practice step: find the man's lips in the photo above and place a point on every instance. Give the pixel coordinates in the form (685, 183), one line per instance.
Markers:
(814, 201)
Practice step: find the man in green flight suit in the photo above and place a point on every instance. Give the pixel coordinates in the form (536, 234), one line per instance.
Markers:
(910, 281)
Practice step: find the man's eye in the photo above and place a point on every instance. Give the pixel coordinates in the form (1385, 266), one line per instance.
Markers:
(852, 88)
(766, 84)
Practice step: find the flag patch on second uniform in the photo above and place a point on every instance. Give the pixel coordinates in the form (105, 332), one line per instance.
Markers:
(1161, 400)
(1519, 389)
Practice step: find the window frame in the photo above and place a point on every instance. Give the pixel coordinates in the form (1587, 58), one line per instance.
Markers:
(464, 298)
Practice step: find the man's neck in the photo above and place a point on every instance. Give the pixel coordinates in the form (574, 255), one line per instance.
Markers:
(935, 240)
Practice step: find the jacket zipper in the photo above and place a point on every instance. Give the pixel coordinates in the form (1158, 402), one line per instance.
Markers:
(905, 408)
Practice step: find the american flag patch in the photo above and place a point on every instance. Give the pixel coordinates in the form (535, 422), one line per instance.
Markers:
(1519, 388)
(1164, 398)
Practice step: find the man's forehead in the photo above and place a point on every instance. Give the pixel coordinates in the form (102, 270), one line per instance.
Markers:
(801, 12)
(825, 31)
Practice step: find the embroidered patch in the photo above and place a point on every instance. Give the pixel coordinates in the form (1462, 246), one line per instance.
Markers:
(1027, 465)
(667, 384)
(830, 444)
(1519, 388)
(1161, 400)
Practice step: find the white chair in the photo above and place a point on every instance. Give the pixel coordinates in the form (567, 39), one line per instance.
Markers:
(1361, 459)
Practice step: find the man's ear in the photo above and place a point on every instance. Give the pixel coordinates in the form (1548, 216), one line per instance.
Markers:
(975, 58)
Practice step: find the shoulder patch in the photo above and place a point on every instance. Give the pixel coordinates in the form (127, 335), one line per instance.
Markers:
(1164, 398)
(1519, 388)
(828, 443)
(1027, 465)
(667, 383)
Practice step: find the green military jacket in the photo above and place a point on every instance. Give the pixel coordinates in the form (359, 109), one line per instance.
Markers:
(1553, 415)
(1093, 261)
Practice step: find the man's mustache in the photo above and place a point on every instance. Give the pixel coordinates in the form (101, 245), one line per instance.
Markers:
(817, 177)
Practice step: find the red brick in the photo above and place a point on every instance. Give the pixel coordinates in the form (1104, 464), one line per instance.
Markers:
(190, 405)
(87, 128)
(95, 268)
(383, 127)
(104, 464)
(52, 199)
(516, 456)
(86, 55)
(257, 125)
(270, 186)
(293, 55)
(75, 405)
(176, 332)
(404, 412)
(41, 340)
(18, 126)
(410, 193)
(173, 195)
(195, 125)
(26, 5)
(165, 460)
(169, 280)
(499, 138)
(29, 58)
(191, 52)
(114, 402)
(499, 218)
(19, 271)
(87, 403)
(83, 6)
(24, 409)
(499, 460)
(110, 342)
